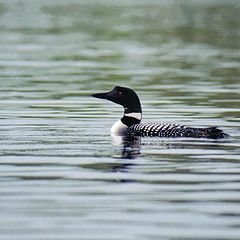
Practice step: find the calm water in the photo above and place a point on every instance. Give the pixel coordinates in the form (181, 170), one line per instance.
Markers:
(61, 174)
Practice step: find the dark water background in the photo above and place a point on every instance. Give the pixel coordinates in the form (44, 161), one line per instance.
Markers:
(61, 174)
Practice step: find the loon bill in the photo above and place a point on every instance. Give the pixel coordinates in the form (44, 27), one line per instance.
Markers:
(130, 122)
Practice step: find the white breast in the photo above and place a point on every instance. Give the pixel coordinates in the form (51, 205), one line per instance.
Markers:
(118, 127)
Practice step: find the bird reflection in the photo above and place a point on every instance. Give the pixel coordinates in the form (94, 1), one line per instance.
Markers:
(129, 146)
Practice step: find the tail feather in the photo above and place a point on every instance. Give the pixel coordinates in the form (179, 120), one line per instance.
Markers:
(215, 133)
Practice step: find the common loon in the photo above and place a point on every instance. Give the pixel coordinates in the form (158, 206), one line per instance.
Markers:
(130, 122)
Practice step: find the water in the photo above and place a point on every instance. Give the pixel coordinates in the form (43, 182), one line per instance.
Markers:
(62, 176)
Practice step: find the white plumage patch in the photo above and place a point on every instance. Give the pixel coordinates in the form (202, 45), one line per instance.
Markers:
(118, 127)
(134, 115)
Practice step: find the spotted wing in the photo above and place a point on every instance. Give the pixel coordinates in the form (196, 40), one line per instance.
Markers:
(159, 130)
(175, 130)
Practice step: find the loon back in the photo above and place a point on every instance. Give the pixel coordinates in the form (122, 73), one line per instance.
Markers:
(174, 131)
(130, 122)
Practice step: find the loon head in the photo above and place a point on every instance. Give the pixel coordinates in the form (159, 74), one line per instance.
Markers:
(132, 107)
(123, 96)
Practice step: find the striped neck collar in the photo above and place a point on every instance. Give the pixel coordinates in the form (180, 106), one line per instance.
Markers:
(130, 119)
(136, 115)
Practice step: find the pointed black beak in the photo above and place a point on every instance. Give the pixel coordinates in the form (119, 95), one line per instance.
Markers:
(112, 96)
(102, 95)
(125, 97)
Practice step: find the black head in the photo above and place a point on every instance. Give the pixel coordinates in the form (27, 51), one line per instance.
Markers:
(123, 96)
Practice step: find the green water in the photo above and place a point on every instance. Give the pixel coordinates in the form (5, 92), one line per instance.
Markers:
(62, 176)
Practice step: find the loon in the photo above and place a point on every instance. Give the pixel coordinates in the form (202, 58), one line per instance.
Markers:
(131, 124)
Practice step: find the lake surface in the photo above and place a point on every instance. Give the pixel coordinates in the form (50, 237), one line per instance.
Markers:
(62, 176)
